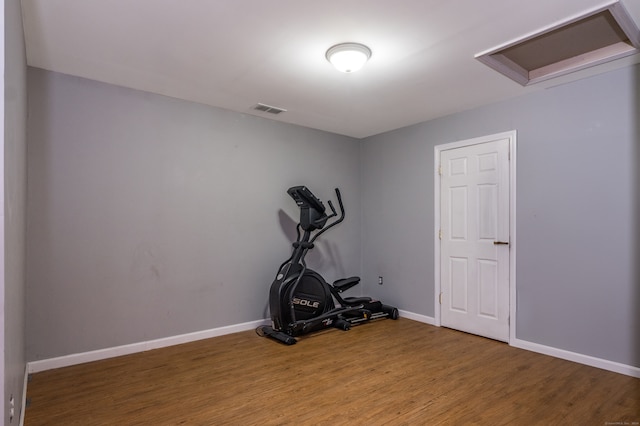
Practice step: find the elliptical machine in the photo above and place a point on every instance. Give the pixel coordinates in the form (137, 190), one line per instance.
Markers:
(300, 300)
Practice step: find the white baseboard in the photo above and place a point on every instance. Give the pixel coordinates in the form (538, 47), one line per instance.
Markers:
(576, 357)
(604, 364)
(417, 317)
(100, 354)
(80, 358)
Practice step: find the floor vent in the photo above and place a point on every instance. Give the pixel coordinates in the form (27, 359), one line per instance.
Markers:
(603, 35)
(268, 108)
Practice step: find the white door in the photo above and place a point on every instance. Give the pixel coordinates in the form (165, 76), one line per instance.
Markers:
(474, 249)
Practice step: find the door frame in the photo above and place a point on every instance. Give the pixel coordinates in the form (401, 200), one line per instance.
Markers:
(511, 136)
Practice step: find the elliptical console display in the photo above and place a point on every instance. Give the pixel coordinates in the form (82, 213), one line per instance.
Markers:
(300, 300)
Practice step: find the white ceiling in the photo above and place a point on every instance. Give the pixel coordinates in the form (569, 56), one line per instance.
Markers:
(236, 53)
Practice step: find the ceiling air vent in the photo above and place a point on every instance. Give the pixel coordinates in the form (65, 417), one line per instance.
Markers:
(600, 36)
(268, 108)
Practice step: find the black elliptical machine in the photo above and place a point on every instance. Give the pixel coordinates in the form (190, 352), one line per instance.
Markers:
(300, 300)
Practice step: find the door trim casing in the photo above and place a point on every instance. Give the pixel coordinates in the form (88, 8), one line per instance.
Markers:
(511, 136)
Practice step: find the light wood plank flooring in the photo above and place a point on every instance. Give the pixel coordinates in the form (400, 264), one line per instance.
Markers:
(383, 373)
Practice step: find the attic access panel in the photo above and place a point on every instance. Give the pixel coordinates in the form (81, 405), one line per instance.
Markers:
(601, 36)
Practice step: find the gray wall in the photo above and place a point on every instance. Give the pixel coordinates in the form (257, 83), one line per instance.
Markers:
(151, 217)
(577, 212)
(15, 141)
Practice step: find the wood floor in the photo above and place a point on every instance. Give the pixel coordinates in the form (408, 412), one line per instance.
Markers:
(383, 373)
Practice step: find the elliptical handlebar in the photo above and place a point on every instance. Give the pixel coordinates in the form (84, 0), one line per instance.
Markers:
(333, 210)
(335, 222)
(339, 197)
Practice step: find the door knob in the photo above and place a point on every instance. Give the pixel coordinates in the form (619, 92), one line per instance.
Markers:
(501, 243)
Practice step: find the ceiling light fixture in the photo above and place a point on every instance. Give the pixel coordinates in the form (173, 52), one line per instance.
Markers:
(348, 57)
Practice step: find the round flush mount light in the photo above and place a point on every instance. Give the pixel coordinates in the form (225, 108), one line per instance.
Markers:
(348, 57)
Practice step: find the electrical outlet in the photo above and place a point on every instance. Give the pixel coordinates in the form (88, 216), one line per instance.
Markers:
(380, 280)
(12, 408)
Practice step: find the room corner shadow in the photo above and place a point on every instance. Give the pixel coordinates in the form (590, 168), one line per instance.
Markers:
(287, 224)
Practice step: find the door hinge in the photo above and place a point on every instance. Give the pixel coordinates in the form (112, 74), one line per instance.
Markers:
(440, 169)
(440, 233)
(440, 298)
